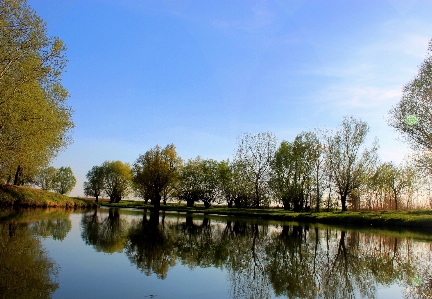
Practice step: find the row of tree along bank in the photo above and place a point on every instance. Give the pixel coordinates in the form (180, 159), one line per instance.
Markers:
(313, 171)
(318, 169)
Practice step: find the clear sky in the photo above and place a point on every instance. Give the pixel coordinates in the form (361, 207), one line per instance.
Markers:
(200, 73)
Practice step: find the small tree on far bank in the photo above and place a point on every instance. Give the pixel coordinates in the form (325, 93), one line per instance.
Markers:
(117, 179)
(155, 172)
(96, 183)
(65, 180)
(252, 159)
(45, 178)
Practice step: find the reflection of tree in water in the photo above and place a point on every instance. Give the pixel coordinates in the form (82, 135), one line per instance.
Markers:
(294, 261)
(419, 283)
(57, 228)
(150, 247)
(246, 260)
(195, 244)
(26, 271)
(106, 233)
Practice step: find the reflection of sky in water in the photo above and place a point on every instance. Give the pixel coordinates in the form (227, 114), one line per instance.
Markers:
(393, 292)
(86, 273)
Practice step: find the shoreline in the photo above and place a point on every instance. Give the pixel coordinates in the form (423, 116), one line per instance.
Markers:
(377, 219)
(27, 197)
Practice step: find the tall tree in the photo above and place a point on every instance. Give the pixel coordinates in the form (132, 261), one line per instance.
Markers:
(254, 155)
(64, 180)
(117, 179)
(155, 171)
(346, 161)
(412, 114)
(293, 170)
(96, 183)
(35, 120)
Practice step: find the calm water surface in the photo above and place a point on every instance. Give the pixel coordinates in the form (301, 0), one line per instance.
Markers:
(109, 253)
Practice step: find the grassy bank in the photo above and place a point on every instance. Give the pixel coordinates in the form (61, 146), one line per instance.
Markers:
(36, 198)
(412, 219)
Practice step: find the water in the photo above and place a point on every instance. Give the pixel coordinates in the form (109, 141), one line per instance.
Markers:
(110, 253)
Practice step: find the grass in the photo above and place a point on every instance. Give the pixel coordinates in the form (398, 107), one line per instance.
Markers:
(407, 219)
(35, 198)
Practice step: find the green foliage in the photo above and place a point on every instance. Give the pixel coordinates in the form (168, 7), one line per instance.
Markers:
(394, 180)
(199, 181)
(252, 163)
(65, 180)
(117, 179)
(60, 180)
(156, 172)
(35, 120)
(46, 178)
(411, 116)
(95, 184)
(293, 168)
(225, 178)
(349, 166)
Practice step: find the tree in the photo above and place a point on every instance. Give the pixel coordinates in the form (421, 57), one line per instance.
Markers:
(412, 114)
(64, 180)
(117, 179)
(96, 183)
(293, 170)
(225, 181)
(253, 157)
(199, 181)
(155, 171)
(35, 120)
(209, 182)
(347, 165)
(395, 179)
(46, 178)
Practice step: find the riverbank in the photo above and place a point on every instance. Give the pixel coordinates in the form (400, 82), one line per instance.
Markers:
(409, 219)
(35, 198)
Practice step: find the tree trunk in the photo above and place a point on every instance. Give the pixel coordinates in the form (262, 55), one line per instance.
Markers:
(396, 203)
(318, 200)
(156, 201)
(237, 202)
(297, 206)
(230, 204)
(18, 175)
(190, 203)
(343, 202)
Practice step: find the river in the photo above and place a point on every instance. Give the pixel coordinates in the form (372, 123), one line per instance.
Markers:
(115, 253)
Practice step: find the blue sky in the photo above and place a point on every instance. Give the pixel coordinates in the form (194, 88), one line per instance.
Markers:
(200, 73)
